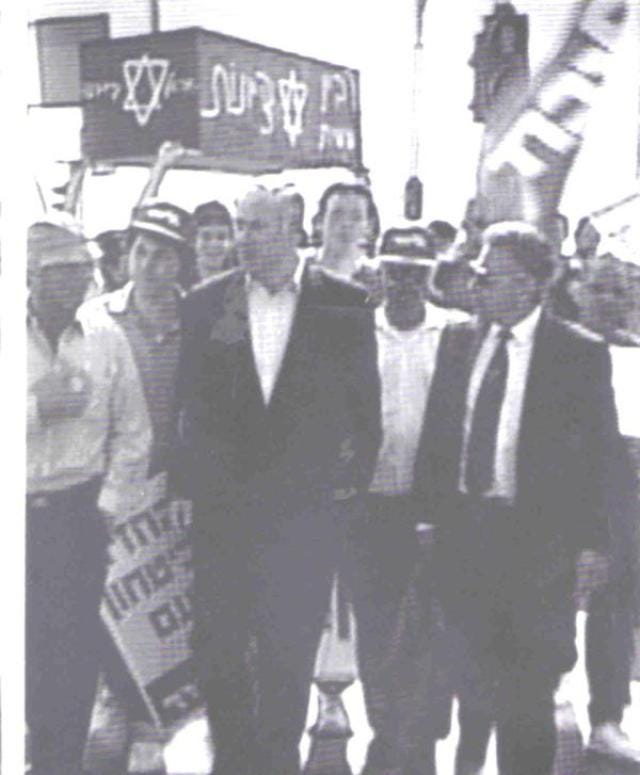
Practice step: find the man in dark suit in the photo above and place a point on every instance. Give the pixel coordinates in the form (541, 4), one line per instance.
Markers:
(518, 450)
(280, 398)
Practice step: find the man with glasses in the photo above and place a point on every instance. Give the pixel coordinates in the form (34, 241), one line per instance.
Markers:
(518, 456)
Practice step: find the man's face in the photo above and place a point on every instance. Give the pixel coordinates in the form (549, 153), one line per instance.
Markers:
(213, 245)
(119, 270)
(57, 291)
(346, 220)
(154, 263)
(506, 293)
(263, 233)
(404, 293)
(440, 244)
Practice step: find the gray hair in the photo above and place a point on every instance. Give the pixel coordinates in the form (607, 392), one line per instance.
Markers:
(529, 247)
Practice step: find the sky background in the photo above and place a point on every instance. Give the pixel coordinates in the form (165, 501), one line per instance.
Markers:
(377, 38)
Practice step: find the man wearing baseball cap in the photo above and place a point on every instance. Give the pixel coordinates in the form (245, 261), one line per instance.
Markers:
(147, 310)
(385, 551)
(88, 439)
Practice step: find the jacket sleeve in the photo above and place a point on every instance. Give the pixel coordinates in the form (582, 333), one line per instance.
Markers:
(178, 461)
(365, 399)
(125, 489)
(604, 451)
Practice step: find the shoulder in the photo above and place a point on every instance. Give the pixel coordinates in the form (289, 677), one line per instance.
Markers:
(208, 297)
(103, 332)
(461, 331)
(328, 289)
(577, 351)
(213, 287)
(574, 332)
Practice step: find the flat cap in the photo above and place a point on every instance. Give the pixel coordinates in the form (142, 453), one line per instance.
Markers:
(49, 244)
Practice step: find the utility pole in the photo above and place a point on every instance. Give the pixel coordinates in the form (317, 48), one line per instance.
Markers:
(154, 11)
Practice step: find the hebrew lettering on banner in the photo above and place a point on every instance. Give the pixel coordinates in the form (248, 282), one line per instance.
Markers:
(147, 608)
(246, 107)
(532, 141)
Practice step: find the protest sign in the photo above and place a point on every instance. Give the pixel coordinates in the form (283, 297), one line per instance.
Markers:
(246, 107)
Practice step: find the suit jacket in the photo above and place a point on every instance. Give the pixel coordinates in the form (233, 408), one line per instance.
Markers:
(321, 430)
(568, 450)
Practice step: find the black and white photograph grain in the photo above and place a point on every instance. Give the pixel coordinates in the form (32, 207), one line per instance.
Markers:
(330, 376)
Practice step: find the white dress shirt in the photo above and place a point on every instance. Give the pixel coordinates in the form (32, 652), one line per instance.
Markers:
(406, 362)
(519, 349)
(270, 320)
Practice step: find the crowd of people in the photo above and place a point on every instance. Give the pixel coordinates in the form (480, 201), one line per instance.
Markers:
(332, 403)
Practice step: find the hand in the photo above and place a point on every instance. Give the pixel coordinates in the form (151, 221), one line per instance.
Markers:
(170, 152)
(63, 393)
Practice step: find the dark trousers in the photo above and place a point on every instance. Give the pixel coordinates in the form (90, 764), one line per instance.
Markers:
(268, 597)
(66, 566)
(510, 639)
(609, 653)
(381, 559)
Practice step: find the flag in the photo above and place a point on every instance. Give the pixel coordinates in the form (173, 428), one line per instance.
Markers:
(530, 147)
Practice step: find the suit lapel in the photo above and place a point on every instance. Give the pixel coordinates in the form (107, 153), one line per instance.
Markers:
(230, 330)
(297, 349)
(538, 406)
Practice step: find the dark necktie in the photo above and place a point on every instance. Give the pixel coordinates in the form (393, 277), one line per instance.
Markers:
(481, 448)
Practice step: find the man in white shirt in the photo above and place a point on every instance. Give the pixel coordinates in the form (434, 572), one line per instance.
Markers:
(384, 549)
(517, 462)
(281, 415)
(88, 443)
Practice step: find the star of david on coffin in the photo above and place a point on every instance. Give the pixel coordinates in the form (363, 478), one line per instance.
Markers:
(135, 71)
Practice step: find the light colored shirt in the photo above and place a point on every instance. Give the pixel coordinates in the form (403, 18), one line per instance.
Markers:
(270, 320)
(519, 349)
(111, 438)
(156, 357)
(406, 362)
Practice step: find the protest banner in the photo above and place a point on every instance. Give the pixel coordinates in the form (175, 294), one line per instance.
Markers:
(147, 609)
(246, 107)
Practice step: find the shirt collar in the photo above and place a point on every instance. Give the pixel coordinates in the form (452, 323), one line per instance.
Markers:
(524, 331)
(122, 301)
(292, 285)
(436, 318)
(118, 301)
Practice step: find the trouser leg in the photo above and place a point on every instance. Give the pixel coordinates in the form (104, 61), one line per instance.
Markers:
(293, 593)
(475, 732)
(222, 609)
(66, 562)
(609, 644)
(526, 734)
(382, 557)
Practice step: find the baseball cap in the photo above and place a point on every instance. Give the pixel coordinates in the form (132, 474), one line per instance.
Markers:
(49, 244)
(162, 219)
(409, 246)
